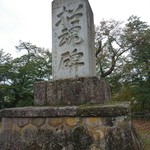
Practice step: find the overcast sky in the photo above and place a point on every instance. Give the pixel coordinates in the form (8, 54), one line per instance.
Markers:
(30, 20)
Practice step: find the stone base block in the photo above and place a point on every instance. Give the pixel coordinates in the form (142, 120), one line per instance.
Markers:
(68, 128)
(68, 92)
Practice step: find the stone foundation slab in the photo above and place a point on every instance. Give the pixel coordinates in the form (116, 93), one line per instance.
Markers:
(67, 111)
(58, 128)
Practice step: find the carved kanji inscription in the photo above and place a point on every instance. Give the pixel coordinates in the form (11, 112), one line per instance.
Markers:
(73, 53)
(70, 60)
(69, 21)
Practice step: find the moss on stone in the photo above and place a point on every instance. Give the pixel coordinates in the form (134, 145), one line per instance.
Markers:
(103, 110)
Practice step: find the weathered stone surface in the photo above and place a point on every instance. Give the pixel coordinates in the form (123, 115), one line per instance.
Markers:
(72, 121)
(105, 127)
(29, 134)
(93, 121)
(71, 135)
(55, 122)
(40, 90)
(75, 111)
(38, 121)
(5, 138)
(81, 139)
(46, 127)
(72, 39)
(121, 138)
(44, 138)
(68, 92)
(16, 142)
(7, 123)
(99, 134)
(16, 128)
(21, 122)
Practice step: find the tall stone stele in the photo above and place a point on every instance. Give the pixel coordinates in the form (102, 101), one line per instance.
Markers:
(73, 59)
(73, 53)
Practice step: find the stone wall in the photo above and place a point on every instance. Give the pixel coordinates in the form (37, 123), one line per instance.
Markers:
(69, 128)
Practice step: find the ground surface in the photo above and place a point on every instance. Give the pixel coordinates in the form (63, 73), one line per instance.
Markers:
(143, 129)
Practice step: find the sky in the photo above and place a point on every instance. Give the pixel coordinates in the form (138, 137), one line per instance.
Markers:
(30, 20)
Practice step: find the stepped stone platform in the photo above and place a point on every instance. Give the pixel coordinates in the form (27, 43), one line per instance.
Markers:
(97, 127)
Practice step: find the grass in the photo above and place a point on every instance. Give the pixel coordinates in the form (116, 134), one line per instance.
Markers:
(143, 129)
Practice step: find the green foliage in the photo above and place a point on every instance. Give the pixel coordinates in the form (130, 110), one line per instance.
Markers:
(18, 75)
(123, 58)
(5, 65)
(137, 35)
(110, 47)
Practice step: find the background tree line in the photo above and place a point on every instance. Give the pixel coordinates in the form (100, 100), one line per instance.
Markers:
(18, 75)
(123, 58)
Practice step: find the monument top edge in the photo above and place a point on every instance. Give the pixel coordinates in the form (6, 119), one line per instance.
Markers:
(68, 1)
(58, 3)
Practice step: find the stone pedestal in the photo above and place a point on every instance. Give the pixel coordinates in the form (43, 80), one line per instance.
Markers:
(106, 127)
(71, 92)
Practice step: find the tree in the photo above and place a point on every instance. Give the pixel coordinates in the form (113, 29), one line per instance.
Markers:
(5, 65)
(34, 65)
(110, 47)
(123, 58)
(137, 34)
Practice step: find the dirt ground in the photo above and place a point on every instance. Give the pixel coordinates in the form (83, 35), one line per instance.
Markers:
(143, 129)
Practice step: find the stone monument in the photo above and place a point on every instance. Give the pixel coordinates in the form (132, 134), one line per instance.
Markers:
(73, 59)
(70, 111)
(73, 39)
